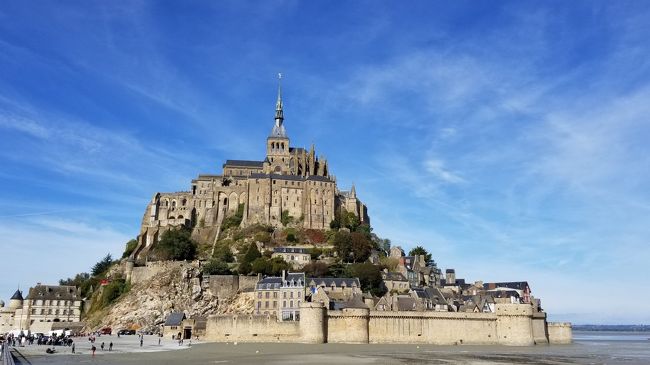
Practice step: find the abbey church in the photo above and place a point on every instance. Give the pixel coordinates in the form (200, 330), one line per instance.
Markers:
(289, 180)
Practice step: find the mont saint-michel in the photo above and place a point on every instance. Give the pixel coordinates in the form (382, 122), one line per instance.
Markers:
(290, 182)
(273, 251)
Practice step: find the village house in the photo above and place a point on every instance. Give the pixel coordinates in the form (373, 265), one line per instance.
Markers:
(280, 295)
(521, 287)
(333, 292)
(394, 282)
(296, 256)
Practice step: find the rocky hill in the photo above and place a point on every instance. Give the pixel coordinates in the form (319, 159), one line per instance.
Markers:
(160, 290)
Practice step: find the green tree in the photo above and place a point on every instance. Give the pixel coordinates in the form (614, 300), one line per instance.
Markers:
(113, 291)
(130, 247)
(244, 268)
(343, 245)
(360, 247)
(315, 253)
(286, 218)
(252, 253)
(421, 251)
(336, 270)
(176, 244)
(278, 265)
(262, 266)
(369, 276)
(222, 253)
(235, 219)
(216, 267)
(316, 269)
(350, 221)
(103, 265)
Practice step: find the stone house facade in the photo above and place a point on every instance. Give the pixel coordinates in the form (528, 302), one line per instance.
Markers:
(296, 256)
(281, 296)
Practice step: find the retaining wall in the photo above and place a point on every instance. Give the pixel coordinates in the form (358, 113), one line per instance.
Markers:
(560, 333)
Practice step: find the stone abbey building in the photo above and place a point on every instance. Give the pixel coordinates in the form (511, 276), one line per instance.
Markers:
(289, 180)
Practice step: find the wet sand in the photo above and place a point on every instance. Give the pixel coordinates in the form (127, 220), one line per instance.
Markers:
(588, 348)
(213, 353)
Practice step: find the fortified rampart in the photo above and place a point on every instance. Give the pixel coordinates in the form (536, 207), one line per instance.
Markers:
(512, 324)
(560, 333)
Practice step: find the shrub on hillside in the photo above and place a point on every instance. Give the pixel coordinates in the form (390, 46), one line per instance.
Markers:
(216, 267)
(130, 247)
(234, 220)
(176, 244)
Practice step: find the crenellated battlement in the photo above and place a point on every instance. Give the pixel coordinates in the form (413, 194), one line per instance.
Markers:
(512, 324)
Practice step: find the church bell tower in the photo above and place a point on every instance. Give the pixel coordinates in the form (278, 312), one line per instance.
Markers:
(277, 144)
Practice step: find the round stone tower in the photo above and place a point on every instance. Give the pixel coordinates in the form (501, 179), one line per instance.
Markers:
(312, 323)
(16, 300)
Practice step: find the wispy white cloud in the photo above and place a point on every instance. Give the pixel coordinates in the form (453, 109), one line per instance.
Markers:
(437, 168)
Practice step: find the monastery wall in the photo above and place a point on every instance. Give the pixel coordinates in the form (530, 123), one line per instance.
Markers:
(512, 324)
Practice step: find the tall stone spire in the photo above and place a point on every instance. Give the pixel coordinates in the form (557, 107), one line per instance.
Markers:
(279, 115)
(278, 128)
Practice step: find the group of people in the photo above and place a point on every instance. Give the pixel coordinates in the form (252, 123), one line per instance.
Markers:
(40, 340)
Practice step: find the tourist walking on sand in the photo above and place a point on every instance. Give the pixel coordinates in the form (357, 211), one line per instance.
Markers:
(110, 346)
(141, 340)
(158, 340)
(102, 346)
(73, 347)
(93, 349)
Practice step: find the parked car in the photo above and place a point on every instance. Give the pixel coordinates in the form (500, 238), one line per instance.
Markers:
(126, 332)
(106, 331)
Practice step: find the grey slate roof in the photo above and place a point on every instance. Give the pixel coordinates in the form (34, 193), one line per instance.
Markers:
(175, 319)
(269, 282)
(519, 285)
(296, 276)
(338, 282)
(244, 163)
(18, 295)
(395, 276)
(290, 177)
(54, 292)
(405, 303)
(290, 250)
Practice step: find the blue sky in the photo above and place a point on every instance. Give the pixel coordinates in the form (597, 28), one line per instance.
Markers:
(511, 139)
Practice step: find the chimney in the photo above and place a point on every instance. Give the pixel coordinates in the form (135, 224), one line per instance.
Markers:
(284, 275)
(451, 276)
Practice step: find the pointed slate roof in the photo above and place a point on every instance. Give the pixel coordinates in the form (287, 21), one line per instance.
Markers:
(175, 319)
(18, 295)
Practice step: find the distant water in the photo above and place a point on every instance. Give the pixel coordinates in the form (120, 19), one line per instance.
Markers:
(613, 347)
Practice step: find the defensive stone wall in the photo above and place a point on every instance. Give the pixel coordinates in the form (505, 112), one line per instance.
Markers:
(439, 328)
(512, 324)
(515, 324)
(225, 286)
(560, 333)
(253, 328)
(247, 282)
(349, 325)
(540, 332)
(142, 273)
